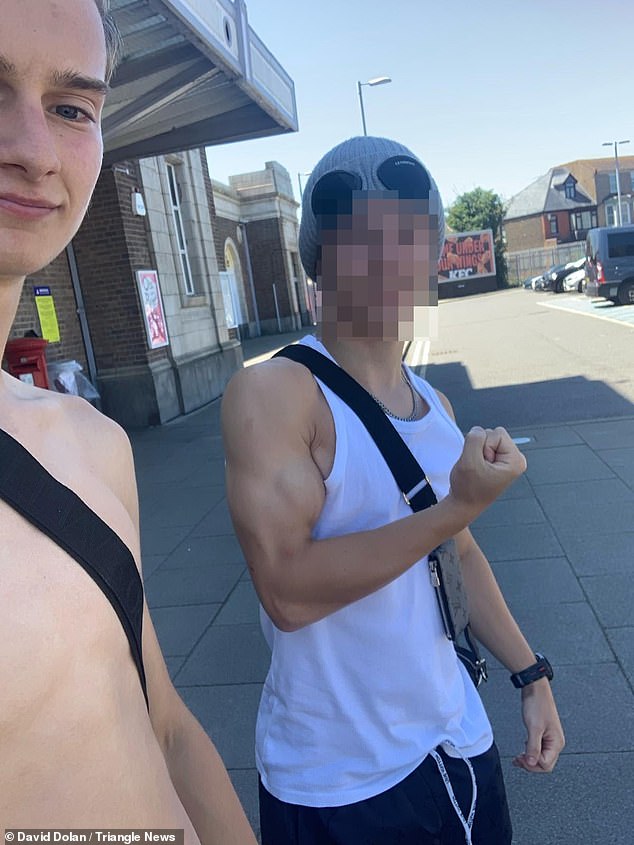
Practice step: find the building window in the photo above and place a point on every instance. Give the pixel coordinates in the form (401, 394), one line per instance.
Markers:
(175, 202)
(612, 177)
(569, 188)
(553, 228)
(584, 220)
(232, 291)
(295, 263)
(611, 218)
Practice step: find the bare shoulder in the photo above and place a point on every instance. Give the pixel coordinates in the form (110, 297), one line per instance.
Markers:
(81, 448)
(94, 431)
(276, 421)
(277, 393)
(103, 446)
(278, 378)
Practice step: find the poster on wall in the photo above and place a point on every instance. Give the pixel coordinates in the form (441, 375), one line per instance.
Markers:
(467, 255)
(152, 304)
(46, 312)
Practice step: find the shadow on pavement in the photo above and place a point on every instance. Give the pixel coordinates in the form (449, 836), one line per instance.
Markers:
(533, 403)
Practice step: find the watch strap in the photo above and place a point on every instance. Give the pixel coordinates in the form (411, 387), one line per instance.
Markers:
(538, 670)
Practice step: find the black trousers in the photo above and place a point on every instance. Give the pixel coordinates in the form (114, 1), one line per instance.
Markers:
(417, 811)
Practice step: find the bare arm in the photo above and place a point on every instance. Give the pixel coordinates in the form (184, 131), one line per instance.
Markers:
(276, 492)
(494, 626)
(195, 767)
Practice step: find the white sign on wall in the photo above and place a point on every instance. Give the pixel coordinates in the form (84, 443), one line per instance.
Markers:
(231, 299)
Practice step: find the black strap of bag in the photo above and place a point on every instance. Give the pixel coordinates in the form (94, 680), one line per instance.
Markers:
(60, 514)
(407, 472)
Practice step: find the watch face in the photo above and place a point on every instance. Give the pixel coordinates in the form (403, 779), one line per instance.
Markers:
(545, 669)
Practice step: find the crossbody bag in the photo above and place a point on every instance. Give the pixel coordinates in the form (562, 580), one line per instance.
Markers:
(444, 562)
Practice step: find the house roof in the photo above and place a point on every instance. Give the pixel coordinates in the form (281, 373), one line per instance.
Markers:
(548, 194)
(531, 200)
(585, 170)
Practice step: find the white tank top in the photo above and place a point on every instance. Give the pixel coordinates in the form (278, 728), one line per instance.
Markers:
(353, 703)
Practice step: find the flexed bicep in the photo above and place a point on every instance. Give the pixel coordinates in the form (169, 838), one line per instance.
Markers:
(275, 491)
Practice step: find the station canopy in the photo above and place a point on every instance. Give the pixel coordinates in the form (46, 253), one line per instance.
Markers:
(193, 74)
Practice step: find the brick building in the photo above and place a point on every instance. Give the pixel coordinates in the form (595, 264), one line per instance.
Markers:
(184, 82)
(545, 213)
(223, 277)
(560, 207)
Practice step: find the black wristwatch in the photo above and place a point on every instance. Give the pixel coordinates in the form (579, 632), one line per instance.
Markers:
(539, 670)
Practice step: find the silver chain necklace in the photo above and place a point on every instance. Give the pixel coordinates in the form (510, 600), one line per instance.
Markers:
(389, 413)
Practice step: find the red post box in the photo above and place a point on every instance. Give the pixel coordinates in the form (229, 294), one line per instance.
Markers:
(26, 360)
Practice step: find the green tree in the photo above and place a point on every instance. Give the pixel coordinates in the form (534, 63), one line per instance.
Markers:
(480, 209)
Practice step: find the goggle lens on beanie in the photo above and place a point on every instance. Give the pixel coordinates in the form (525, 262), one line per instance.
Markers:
(332, 194)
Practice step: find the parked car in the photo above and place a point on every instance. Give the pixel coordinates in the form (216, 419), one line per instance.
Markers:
(610, 263)
(575, 280)
(532, 283)
(550, 275)
(556, 278)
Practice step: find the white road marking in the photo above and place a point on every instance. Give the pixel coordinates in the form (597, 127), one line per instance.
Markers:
(418, 355)
(573, 307)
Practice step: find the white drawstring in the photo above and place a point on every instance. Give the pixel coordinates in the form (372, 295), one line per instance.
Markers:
(467, 824)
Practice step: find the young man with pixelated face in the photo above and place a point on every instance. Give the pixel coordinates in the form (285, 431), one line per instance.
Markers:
(369, 729)
(80, 745)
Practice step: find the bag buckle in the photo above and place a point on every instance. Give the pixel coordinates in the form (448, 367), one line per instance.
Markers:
(416, 489)
(481, 671)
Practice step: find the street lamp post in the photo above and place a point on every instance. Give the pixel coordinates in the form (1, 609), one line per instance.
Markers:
(301, 187)
(618, 180)
(379, 80)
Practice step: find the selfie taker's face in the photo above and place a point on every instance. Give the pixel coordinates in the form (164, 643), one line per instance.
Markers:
(52, 67)
(379, 271)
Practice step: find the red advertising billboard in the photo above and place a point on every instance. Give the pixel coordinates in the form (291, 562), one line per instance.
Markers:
(467, 255)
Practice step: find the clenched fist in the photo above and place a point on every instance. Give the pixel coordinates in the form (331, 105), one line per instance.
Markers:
(489, 463)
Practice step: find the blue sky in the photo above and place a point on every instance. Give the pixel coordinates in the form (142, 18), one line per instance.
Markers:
(486, 93)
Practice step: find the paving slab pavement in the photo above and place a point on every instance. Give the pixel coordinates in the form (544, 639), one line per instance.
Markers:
(561, 542)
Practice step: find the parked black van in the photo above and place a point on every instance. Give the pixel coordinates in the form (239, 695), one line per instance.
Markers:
(610, 264)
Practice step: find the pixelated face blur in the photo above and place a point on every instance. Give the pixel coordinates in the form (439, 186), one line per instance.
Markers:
(52, 88)
(379, 270)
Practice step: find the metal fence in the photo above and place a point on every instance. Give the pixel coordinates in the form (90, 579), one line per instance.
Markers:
(531, 262)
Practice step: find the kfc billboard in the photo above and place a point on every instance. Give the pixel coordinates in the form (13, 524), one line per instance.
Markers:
(467, 255)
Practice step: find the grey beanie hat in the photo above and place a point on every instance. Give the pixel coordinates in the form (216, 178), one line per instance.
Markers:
(362, 155)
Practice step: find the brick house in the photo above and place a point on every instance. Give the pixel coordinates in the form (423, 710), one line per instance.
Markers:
(560, 206)
(546, 213)
(604, 177)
